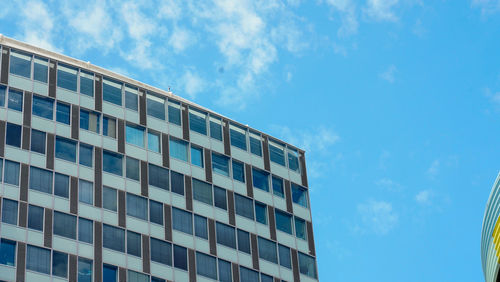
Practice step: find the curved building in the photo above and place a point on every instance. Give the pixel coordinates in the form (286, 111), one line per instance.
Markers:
(490, 235)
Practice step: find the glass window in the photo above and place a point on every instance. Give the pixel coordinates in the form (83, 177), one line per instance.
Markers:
(133, 243)
(283, 221)
(180, 257)
(15, 100)
(41, 70)
(158, 176)
(153, 141)
(284, 254)
(59, 264)
(1, 169)
(89, 120)
(62, 113)
(113, 238)
(135, 135)
(41, 180)
(109, 127)
(109, 198)
(131, 98)
(182, 220)
(206, 265)
(87, 83)
(220, 164)
(43, 107)
(174, 112)
(112, 163)
(300, 228)
(109, 273)
(255, 144)
(13, 135)
(84, 270)
(85, 230)
(215, 128)
(293, 160)
(61, 185)
(177, 182)
(266, 278)
(7, 252)
(156, 279)
(220, 198)
(132, 168)
(238, 137)
(202, 191)
(278, 187)
(200, 226)
(267, 250)
(299, 195)
(86, 154)
(243, 241)
(20, 63)
(238, 171)
(225, 235)
(38, 259)
(137, 206)
(243, 206)
(156, 212)
(3, 90)
(66, 77)
(35, 218)
(11, 173)
(137, 276)
(65, 149)
(9, 211)
(248, 275)
(155, 106)
(178, 149)
(260, 179)
(307, 265)
(198, 121)
(38, 141)
(276, 153)
(161, 251)
(64, 225)
(112, 91)
(225, 271)
(196, 156)
(85, 192)
(261, 213)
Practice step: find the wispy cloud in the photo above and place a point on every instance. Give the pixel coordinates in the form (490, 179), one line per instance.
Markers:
(388, 184)
(381, 10)
(38, 25)
(347, 11)
(192, 84)
(389, 74)
(378, 217)
(487, 7)
(180, 39)
(433, 169)
(424, 197)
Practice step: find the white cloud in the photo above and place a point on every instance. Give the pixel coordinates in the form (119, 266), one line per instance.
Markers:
(37, 25)
(433, 169)
(170, 9)
(424, 197)
(378, 217)
(181, 39)
(313, 141)
(289, 76)
(388, 184)
(347, 10)
(381, 10)
(389, 73)
(192, 83)
(339, 49)
(418, 28)
(487, 7)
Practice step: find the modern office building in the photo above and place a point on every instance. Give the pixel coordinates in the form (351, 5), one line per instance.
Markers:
(490, 236)
(104, 178)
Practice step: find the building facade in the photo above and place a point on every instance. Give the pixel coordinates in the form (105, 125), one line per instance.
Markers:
(490, 235)
(104, 178)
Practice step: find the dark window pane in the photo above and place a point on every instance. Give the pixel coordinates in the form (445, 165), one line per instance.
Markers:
(198, 121)
(284, 254)
(182, 220)
(156, 279)
(156, 212)
(155, 106)
(109, 198)
(109, 127)
(177, 182)
(13, 135)
(3, 91)
(132, 168)
(161, 251)
(137, 206)
(158, 176)
(248, 275)
(293, 160)
(38, 141)
(307, 265)
(112, 163)
(267, 250)
(62, 113)
(85, 230)
(260, 179)
(243, 206)
(261, 213)
(243, 241)
(85, 192)
(225, 271)
(225, 235)
(153, 141)
(276, 154)
(7, 252)
(196, 156)
(38, 259)
(59, 264)
(215, 129)
(64, 225)
(206, 265)
(86, 154)
(9, 211)
(65, 149)
(283, 221)
(174, 113)
(238, 137)
(255, 146)
(41, 67)
(220, 198)
(202, 191)
(180, 257)
(15, 100)
(43, 107)
(87, 83)
(299, 195)
(109, 273)
(112, 91)
(266, 278)
(200, 226)
(113, 238)
(134, 135)
(238, 171)
(278, 187)
(11, 173)
(133, 243)
(220, 164)
(35, 218)
(66, 77)
(178, 149)
(41, 180)
(61, 185)
(90, 120)
(300, 228)
(131, 100)
(84, 270)
(20, 63)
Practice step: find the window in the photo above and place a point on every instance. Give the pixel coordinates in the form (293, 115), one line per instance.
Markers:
(20, 63)
(66, 77)
(86, 154)
(284, 254)
(133, 243)
(109, 273)
(38, 259)
(89, 120)
(196, 156)
(35, 218)
(238, 137)
(293, 160)
(283, 221)
(7, 252)
(243, 206)
(182, 220)
(261, 213)
(153, 141)
(180, 257)
(307, 265)
(260, 179)
(11, 173)
(220, 198)
(59, 264)
(135, 135)
(225, 271)
(109, 198)
(109, 127)
(15, 100)
(155, 106)
(178, 149)
(85, 230)
(267, 250)
(243, 241)
(200, 226)
(137, 276)
(198, 121)
(64, 225)
(41, 180)
(113, 238)
(202, 191)
(238, 171)
(112, 163)
(161, 251)
(87, 83)
(220, 164)
(131, 98)
(62, 113)
(85, 192)
(9, 211)
(276, 153)
(278, 187)
(132, 168)
(177, 182)
(84, 270)
(112, 91)
(3, 89)
(38, 141)
(43, 107)
(248, 275)
(155, 279)
(206, 265)
(41, 69)
(13, 135)
(61, 185)
(225, 235)
(266, 278)
(137, 206)
(158, 176)
(299, 195)
(215, 128)
(65, 149)
(300, 228)
(174, 112)
(156, 212)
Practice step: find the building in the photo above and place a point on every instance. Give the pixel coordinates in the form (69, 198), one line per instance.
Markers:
(105, 178)
(490, 235)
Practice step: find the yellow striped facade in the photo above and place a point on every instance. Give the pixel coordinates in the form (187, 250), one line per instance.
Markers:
(490, 237)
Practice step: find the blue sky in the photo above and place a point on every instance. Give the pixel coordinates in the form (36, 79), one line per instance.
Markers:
(397, 103)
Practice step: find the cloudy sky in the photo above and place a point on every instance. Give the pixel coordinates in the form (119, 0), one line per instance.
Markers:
(397, 103)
